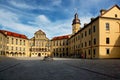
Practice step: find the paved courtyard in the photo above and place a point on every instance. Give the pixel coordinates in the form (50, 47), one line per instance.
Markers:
(59, 69)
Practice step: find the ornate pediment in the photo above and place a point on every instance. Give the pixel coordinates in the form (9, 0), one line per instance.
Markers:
(40, 32)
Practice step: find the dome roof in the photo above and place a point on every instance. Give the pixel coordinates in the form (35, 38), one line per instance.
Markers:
(76, 19)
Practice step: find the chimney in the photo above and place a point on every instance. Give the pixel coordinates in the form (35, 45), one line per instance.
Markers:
(85, 24)
(102, 11)
(92, 19)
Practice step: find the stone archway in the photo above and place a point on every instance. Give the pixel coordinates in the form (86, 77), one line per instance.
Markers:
(39, 54)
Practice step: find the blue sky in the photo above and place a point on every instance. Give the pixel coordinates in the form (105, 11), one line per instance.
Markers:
(54, 17)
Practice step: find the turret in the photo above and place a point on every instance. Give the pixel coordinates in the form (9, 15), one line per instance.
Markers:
(75, 24)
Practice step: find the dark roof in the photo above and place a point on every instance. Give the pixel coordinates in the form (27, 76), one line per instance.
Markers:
(76, 20)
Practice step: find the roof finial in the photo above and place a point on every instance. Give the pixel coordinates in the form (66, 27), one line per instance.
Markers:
(76, 15)
(76, 10)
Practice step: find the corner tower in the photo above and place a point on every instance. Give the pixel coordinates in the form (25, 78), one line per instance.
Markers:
(75, 24)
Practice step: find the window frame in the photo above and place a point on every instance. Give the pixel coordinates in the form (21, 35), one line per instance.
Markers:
(107, 51)
(107, 27)
(107, 40)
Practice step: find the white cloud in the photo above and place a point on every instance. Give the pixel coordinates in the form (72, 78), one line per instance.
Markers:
(84, 19)
(11, 21)
(56, 2)
(60, 27)
(21, 5)
(52, 28)
(42, 19)
(25, 5)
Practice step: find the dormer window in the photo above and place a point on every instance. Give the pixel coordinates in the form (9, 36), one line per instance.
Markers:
(116, 15)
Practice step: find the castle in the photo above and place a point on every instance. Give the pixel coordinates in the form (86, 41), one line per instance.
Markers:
(98, 39)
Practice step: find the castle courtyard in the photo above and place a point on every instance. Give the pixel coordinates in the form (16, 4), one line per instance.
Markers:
(34, 68)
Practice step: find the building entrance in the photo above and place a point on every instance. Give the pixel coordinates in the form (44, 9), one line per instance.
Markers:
(39, 55)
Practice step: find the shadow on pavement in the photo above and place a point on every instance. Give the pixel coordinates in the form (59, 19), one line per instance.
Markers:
(26, 65)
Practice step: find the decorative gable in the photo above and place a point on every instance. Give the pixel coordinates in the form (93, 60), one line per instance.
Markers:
(40, 32)
(113, 12)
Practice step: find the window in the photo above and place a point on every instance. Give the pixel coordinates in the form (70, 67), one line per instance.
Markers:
(16, 48)
(89, 31)
(7, 40)
(89, 42)
(20, 42)
(78, 37)
(57, 43)
(24, 42)
(94, 41)
(94, 52)
(116, 15)
(12, 48)
(60, 49)
(107, 51)
(85, 33)
(85, 44)
(0, 38)
(107, 26)
(94, 28)
(107, 40)
(12, 40)
(63, 49)
(16, 41)
(66, 42)
(89, 52)
(82, 35)
(82, 44)
(7, 47)
(23, 49)
(42, 44)
(20, 48)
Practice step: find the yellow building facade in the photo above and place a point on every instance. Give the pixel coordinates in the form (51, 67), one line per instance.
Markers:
(59, 46)
(2, 43)
(16, 44)
(100, 38)
(39, 45)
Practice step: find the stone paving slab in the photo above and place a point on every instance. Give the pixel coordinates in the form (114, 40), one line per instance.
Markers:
(109, 67)
(59, 69)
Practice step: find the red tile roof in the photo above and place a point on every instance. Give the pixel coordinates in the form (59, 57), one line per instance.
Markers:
(8, 33)
(60, 37)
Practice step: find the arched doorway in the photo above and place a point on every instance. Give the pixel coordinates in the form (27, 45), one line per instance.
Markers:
(39, 55)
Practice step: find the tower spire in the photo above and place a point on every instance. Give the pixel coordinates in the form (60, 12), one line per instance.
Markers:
(76, 16)
(75, 24)
(76, 19)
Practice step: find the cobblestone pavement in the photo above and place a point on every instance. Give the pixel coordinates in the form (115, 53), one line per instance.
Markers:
(59, 69)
